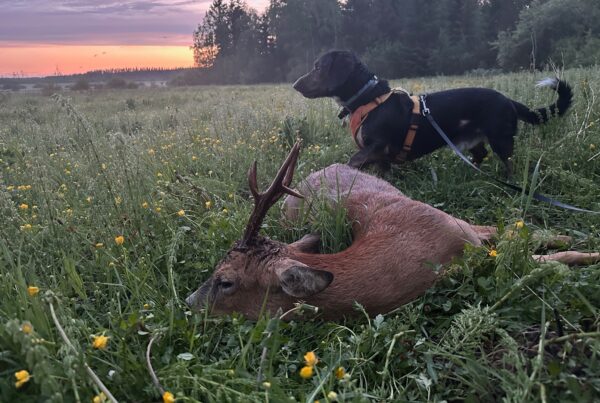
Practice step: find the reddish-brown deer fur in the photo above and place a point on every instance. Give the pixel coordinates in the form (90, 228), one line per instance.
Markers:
(398, 245)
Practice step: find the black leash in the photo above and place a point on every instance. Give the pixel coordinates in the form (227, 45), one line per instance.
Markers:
(539, 197)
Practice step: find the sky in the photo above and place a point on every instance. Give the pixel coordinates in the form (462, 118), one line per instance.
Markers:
(46, 37)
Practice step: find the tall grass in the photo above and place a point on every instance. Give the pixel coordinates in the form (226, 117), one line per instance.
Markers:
(166, 170)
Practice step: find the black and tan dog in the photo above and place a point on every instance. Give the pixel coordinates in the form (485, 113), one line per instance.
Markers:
(469, 116)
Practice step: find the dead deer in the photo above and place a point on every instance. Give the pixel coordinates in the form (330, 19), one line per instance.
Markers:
(397, 245)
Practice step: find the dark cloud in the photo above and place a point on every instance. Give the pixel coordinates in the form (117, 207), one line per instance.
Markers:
(100, 22)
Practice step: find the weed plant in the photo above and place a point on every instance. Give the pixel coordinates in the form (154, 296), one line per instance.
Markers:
(116, 205)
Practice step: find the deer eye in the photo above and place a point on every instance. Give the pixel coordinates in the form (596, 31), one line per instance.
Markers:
(226, 286)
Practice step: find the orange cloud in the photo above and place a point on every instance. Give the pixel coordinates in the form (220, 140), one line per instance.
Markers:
(41, 60)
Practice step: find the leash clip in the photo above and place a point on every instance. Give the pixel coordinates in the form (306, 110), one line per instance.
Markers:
(426, 110)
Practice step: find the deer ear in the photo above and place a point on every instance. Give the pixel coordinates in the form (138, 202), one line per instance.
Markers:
(302, 281)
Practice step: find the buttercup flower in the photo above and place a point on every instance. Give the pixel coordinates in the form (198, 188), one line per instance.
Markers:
(145, 205)
(340, 372)
(181, 213)
(99, 245)
(23, 206)
(519, 224)
(25, 227)
(100, 342)
(332, 396)
(306, 372)
(101, 398)
(310, 359)
(27, 328)
(208, 204)
(493, 253)
(119, 240)
(168, 397)
(32, 290)
(22, 378)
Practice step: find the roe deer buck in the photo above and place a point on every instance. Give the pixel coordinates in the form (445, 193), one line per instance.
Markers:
(397, 242)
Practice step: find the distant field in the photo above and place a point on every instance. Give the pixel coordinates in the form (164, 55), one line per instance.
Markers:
(79, 170)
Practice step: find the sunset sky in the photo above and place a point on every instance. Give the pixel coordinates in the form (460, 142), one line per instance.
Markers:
(43, 37)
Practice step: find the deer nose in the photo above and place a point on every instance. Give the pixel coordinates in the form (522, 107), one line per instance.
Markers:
(192, 299)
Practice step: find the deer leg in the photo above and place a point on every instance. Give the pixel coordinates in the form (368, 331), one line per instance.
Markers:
(309, 243)
(570, 258)
(485, 233)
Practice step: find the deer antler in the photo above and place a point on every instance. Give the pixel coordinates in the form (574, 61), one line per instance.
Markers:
(264, 201)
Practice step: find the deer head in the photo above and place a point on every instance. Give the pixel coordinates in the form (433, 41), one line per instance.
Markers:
(258, 272)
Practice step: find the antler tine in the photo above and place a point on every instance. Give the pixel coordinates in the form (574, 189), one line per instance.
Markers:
(252, 182)
(263, 201)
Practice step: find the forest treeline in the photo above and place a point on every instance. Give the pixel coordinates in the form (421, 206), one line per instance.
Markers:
(396, 38)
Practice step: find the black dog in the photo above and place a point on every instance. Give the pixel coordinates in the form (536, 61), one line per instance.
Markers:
(467, 115)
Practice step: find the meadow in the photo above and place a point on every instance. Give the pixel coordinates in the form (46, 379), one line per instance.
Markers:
(115, 205)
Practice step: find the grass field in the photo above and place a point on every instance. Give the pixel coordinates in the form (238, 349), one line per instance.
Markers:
(115, 205)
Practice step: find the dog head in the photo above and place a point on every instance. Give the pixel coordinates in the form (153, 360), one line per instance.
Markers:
(329, 74)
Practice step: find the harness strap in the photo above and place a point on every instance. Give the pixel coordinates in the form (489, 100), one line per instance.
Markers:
(412, 129)
(358, 117)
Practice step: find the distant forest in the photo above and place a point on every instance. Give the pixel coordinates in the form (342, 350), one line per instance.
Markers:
(396, 38)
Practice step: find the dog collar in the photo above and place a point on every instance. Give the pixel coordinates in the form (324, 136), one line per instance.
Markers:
(370, 84)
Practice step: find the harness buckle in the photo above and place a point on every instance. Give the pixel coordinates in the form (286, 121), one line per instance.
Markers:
(425, 110)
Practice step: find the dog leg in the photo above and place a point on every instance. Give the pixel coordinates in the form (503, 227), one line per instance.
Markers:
(478, 152)
(372, 154)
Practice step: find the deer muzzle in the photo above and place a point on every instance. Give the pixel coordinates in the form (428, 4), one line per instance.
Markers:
(201, 297)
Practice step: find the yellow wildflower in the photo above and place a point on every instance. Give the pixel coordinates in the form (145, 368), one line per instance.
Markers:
(101, 398)
(27, 328)
(119, 240)
(145, 205)
(151, 151)
(99, 245)
(32, 290)
(88, 199)
(168, 397)
(310, 359)
(267, 385)
(100, 342)
(332, 396)
(340, 372)
(181, 213)
(306, 372)
(10, 187)
(194, 158)
(104, 167)
(592, 147)
(146, 306)
(158, 209)
(69, 211)
(22, 378)
(23, 206)
(493, 253)
(519, 224)
(208, 204)
(225, 211)
(25, 227)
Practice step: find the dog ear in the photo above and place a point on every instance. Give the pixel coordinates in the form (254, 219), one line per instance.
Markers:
(341, 66)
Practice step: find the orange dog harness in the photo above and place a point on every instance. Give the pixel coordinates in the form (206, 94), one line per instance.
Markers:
(358, 117)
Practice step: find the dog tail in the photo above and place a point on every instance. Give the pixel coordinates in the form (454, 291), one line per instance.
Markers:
(542, 115)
